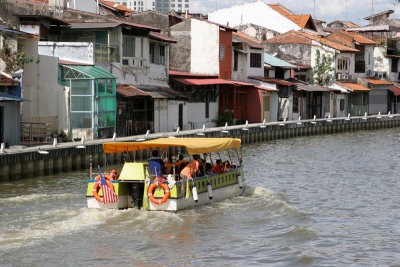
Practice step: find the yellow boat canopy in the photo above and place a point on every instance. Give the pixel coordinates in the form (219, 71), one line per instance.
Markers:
(193, 145)
(119, 147)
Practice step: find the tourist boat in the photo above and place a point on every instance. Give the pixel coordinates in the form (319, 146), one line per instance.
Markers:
(137, 186)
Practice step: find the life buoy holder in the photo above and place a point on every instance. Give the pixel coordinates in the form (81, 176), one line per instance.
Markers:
(95, 190)
(155, 200)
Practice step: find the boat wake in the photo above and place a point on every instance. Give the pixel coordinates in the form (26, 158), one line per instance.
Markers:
(39, 226)
(38, 198)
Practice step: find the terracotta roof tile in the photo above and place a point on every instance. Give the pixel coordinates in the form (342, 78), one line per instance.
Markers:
(329, 43)
(300, 20)
(379, 82)
(117, 6)
(250, 41)
(354, 86)
(291, 37)
(277, 7)
(350, 24)
(360, 38)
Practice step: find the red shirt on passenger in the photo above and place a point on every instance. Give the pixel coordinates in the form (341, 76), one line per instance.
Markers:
(219, 169)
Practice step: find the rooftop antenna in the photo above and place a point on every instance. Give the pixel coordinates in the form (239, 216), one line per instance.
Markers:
(346, 11)
(372, 7)
(314, 10)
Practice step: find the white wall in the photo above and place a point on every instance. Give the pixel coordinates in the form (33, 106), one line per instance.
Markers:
(197, 115)
(173, 114)
(323, 50)
(381, 63)
(80, 52)
(241, 73)
(40, 85)
(257, 13)
(255, 72)
(140, 71)
(204, 48)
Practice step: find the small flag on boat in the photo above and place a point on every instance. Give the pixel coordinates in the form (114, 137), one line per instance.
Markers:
(109, 195)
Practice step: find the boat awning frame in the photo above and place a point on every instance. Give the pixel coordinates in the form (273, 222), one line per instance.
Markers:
(193, 145)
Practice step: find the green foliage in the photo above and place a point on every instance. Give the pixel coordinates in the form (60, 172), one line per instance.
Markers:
(222, 119)
(13, 60)
(323, 70)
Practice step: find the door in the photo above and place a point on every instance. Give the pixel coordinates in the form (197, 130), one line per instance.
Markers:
(1, 124)
(180, 116)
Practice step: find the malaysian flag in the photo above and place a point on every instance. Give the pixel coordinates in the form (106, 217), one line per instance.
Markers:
(109, 195)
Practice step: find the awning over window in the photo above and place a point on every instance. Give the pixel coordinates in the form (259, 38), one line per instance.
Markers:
(156, 92)
(395, 90)
(8, 97)
(221, 81)
(76, 72)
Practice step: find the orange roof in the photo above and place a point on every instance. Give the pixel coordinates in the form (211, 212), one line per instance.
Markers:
(290, 37)
(281, 9)
(354, 86)
(350, 24)
(300, 20)
(247, 39)
(360, 38)
(379, 82)
(341, 38)
(117, 6)
(329, 43)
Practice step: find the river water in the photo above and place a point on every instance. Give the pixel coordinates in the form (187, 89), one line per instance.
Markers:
(331, 200)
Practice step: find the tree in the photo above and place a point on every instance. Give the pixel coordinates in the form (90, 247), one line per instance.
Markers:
(323, 69)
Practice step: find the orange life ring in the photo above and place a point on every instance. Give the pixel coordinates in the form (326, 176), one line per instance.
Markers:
(95, 190)
(155, 200)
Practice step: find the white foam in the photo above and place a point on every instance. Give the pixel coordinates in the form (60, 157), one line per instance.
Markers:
(38, 198)
(76, 220)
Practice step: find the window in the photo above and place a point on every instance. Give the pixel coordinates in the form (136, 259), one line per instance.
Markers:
(157, 53)
(235, 60)
(222, 52)
(341, 104)
(296, 100)
(394, 64)
(342, 64)
(128, 46)
(255, 60)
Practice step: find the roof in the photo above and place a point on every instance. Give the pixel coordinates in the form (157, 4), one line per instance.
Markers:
(312, 88)
(93, 25)
(350, 24)
(227, 28)
(116, 6)
(290, 37)
(66, 62)
(354, 86)
(276, 62)
(7, 81)
(300, 20)
(108, 19)
(275, 81)
(360, 38)
(161, 92)
(266, 88)
(395, 89)
(130, 91)
(188, 81)
(193, 145)
(8, 97)
(160, 37)
(253, 43)
(377, 28)
(327, 42)
(379, 82)
(188, 74)
(86, 72)
(301, 66)
(390, 11)
(41, 17)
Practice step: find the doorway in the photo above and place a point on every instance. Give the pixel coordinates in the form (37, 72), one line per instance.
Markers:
(180, 116)
(1, 124)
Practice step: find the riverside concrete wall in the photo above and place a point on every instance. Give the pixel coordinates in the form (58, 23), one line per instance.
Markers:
(48, 160)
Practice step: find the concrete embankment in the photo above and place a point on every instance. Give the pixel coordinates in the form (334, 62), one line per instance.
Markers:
(48, 160)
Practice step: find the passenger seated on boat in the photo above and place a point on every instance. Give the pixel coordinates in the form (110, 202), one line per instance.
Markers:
(218, 167)
(227, 165)
(156, 164)
(180, 161)
(209, 169)
(192, 168)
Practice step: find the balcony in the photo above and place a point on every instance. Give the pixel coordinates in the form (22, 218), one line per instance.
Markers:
(106, 53)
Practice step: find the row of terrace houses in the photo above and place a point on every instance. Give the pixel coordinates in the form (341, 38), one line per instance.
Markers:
(94, 75)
